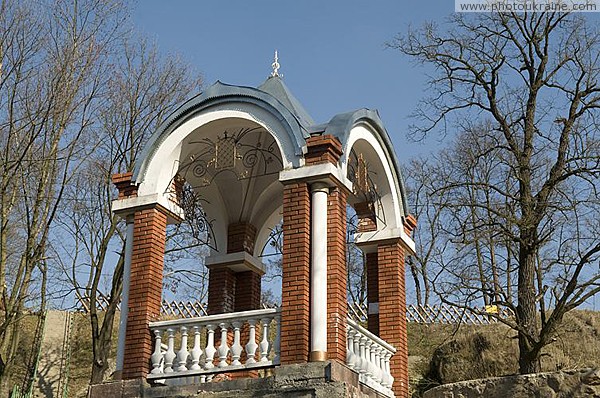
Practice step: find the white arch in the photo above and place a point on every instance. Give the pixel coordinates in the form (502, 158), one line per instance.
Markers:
(264, 230)
(392, 202)
(165, 159)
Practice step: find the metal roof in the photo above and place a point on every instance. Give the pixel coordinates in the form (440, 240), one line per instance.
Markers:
(274, 96)
(275, 86)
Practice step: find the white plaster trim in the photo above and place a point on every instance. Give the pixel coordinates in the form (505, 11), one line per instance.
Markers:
(316, 172)
(318, 268)
(363, 131)
(126, 206)
(373, 238)
(125, 294)
(262, 237)
(238, 262)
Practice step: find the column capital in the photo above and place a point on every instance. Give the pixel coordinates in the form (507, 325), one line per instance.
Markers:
(326, 173)
(129, 205)
(320, 186)
(368, 241)
(237, 262)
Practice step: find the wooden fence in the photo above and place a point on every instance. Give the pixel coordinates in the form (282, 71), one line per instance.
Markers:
(426, 314)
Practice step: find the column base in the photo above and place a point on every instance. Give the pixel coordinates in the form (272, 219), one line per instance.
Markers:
(318, 356)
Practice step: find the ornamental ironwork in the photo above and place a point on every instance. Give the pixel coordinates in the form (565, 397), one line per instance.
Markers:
(198, 226)
(364, 186)
(234, 153)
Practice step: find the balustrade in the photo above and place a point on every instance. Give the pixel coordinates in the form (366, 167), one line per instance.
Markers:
(206, 357)
(369, 356)
(222, 343)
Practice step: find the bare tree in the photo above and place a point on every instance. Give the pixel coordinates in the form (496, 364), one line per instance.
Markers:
(145, 87)
(421, 183)
(521, 180)
(52, 68)
(355, 263)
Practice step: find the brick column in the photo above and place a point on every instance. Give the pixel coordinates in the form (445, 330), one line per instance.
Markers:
(296, 276)
(149, 236)
(248, 289)
(230, 291)
(337, 277)
(221, 291)
(241, 237)
(297, 251)
(372, 268)
(392, 310)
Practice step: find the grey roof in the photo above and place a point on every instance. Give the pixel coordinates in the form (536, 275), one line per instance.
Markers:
(296, 119)
(340, 125)
(275, 86)
(274, 96)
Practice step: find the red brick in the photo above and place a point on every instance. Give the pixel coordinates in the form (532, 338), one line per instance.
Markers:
(145, 291)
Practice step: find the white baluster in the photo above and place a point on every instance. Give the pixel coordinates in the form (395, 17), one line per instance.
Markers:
(277, 344)
(356, 350)
(251, 346)
(369, 357)
(350, 357)
(223, 348)
(236, 348)
(264, 343)
(170, 354)
(376, 352)
(182, 354)
(196, 352)
(210, 350)
(382, 365)
(389, 380)
(364, 363)
(157, 355)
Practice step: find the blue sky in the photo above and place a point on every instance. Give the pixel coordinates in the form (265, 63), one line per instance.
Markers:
(332, 53)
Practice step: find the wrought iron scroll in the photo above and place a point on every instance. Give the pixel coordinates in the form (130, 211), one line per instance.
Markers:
(197, 221)
(233, 153)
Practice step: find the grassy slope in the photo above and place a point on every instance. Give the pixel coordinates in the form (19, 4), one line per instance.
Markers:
(444, 354)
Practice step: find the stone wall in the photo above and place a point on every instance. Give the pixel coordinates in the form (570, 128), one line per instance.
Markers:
(309, 380)
(568, 383)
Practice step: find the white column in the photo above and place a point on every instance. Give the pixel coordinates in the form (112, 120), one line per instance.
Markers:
(318, 273)
(125, 295)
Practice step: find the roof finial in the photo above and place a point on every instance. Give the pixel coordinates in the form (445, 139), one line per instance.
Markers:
(275, 66)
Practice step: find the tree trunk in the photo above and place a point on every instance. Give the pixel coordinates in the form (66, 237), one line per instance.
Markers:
(102, 348)
(99, 368)
(526, 308)
(415, 275)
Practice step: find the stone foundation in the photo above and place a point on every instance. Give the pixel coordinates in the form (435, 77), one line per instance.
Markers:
(572, 384)
(310, 380)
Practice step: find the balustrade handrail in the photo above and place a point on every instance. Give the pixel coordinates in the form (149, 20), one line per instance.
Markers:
(371, 336)
(204, 346)
(208, 319)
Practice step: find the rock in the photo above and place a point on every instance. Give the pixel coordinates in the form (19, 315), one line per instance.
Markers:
(573, 384)
(592, 378)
